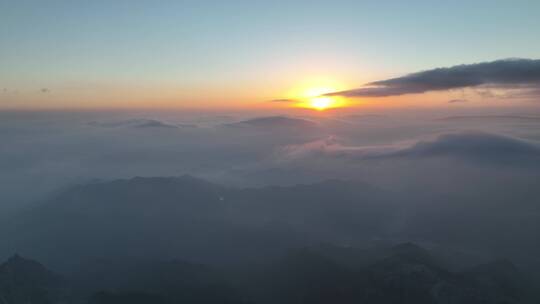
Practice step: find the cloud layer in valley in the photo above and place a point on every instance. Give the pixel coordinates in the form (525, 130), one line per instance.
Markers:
(265, 182)
(474, 146)
(50, 151)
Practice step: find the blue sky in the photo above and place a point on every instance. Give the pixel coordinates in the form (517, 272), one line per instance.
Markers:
(225, 47)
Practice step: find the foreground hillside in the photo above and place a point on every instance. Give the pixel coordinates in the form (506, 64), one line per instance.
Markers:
(405, 273)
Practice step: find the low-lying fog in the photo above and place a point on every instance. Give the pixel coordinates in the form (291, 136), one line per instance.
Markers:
(202, 186)
(43, 152)
(269, 152)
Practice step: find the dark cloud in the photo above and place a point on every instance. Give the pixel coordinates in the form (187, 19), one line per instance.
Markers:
(44, 90)
(507, 73)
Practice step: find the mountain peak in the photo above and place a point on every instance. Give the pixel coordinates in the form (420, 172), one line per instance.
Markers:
(26, 281)
(28, 270)
(500, 267)
(408, 247)
(412, 252)
(15, 257)
(17, 261)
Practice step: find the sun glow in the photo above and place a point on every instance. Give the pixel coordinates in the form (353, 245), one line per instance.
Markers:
(313, 94)
(321, 103)
(315, 98)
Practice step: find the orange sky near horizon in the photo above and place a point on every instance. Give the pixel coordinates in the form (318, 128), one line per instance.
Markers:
(278, 95)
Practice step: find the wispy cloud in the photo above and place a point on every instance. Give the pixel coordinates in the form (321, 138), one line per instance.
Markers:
(284, 100)
(507, 73)
(458, 101)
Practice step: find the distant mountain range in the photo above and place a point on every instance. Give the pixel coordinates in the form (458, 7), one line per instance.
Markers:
(405, 273)
(144, 217)
(192, 218)
(276, 122)
(327, 242)
(134, 123)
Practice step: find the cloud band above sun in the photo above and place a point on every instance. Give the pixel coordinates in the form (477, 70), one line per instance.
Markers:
(507, 73)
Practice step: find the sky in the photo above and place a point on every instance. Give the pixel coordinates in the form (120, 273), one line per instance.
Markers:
(243, 54)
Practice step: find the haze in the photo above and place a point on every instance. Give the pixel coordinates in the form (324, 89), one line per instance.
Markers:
(269, 152)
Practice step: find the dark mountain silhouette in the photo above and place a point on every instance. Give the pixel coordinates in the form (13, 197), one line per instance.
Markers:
(409, 273)
(104, 297)
(499, 279)
(166, 282)
(128, 225)
(192, 218)
(405, 273)
(410, 252)
(27, 281)
(122, 281)
(152, 123)
(304, 276)
(134, 123)
(186, 217)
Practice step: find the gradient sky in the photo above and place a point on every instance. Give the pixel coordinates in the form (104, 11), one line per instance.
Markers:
(240, 53)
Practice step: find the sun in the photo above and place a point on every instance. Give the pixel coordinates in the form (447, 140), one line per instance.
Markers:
(321, 103)
(313, 94)
(315, 98)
